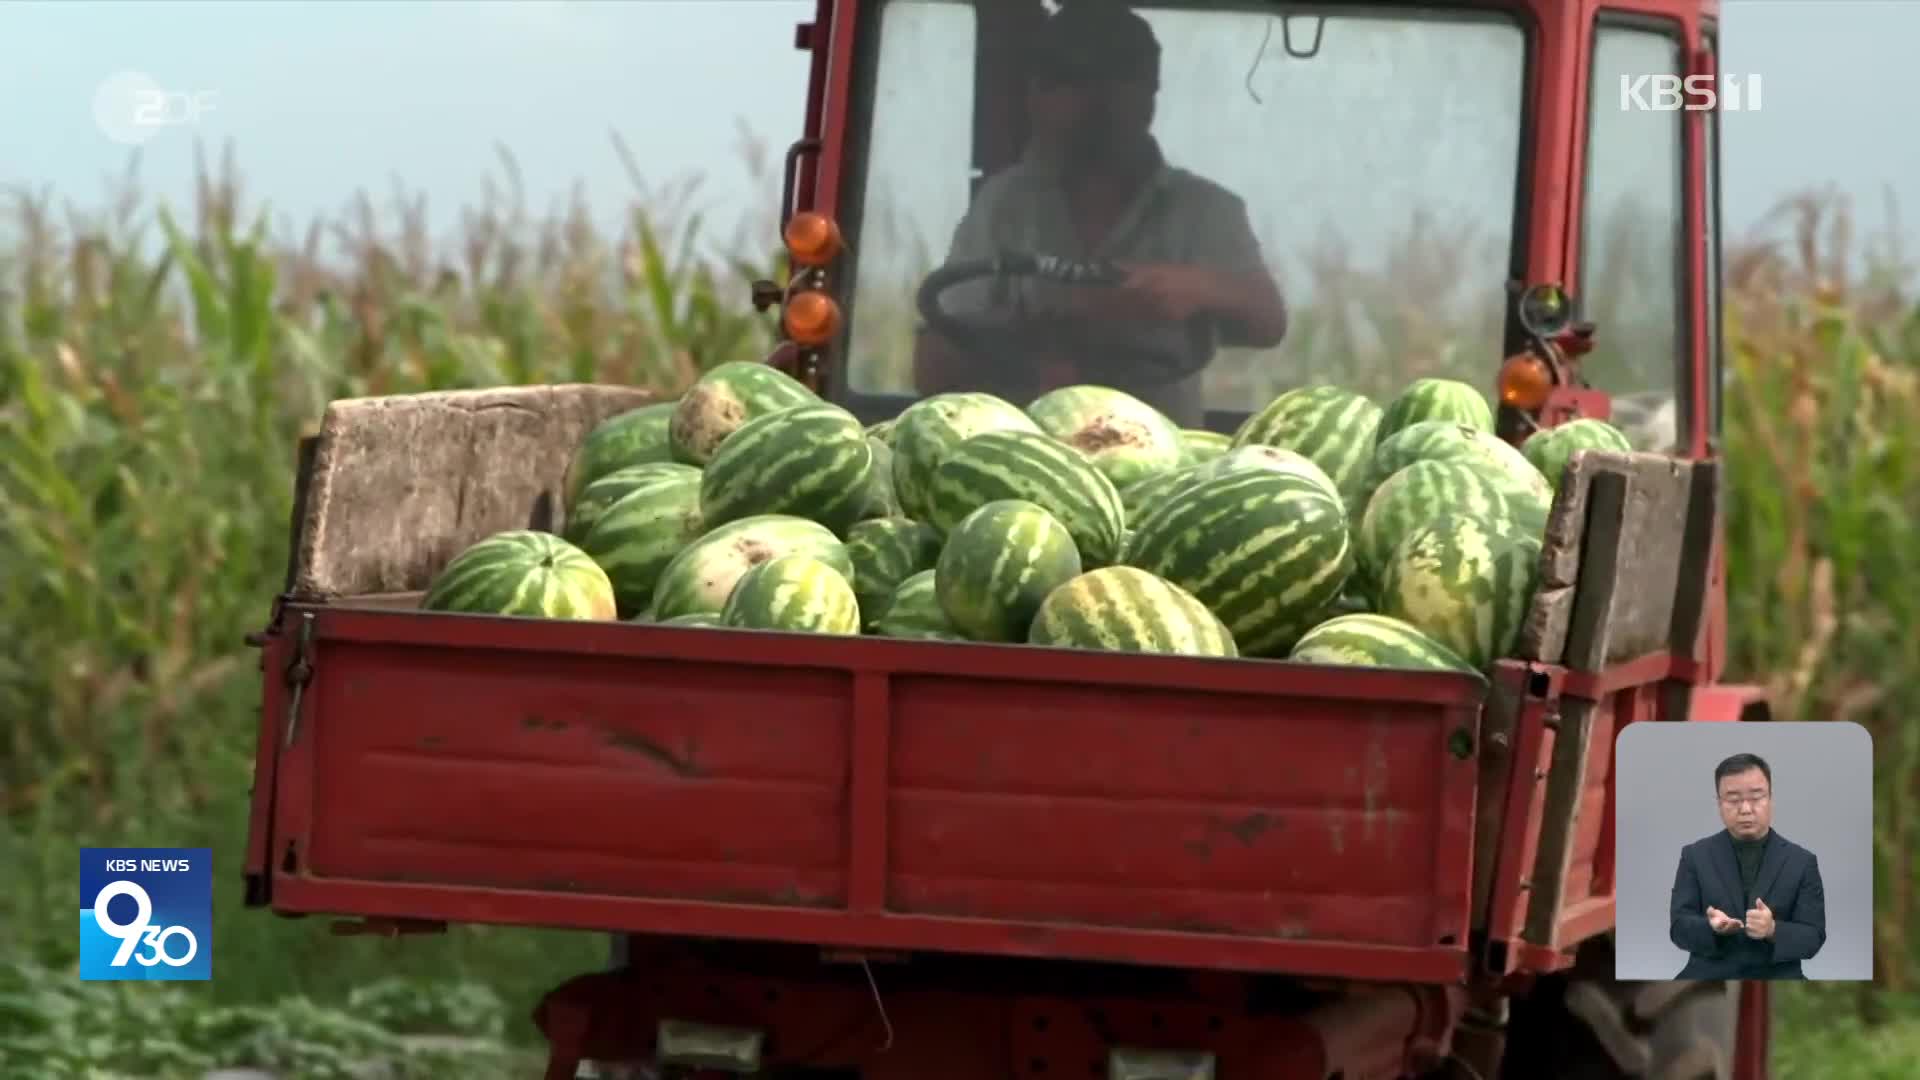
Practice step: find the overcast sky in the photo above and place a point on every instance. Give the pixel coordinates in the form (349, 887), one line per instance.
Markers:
(323, 98)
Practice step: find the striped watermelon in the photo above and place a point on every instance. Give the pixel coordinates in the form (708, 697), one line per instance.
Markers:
(1138, 498)
(1416, 495)
(1551, 450)
(693, 618)
(796, 593)
(1442, 440)
(610, 489)
(1263, 550)
(1125, 438)
(637, 536)
(724, 398)
(811, 461)
(1027, 465)
(1273, 459)
(999, 564)
(930, 427)
(886, 552)
(635, 437)
(883, 431)
(913, 611)
(703, 575)
(1463, 584)
(1331, 426)
(1125, 609)
(1202, 445)
(880, 500)
(1435, 399)
(522, 572)
(1375, 641)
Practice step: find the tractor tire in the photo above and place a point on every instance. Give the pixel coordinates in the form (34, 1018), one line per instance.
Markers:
(1588, 1027)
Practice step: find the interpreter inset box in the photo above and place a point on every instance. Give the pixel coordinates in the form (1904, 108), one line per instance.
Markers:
(1743, 851)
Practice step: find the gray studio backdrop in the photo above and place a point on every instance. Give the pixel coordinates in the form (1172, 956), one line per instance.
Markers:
(1822, 800)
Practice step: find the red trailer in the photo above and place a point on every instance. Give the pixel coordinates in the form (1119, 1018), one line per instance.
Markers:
(878, 858)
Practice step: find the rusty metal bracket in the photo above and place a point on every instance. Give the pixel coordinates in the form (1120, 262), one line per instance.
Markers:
(299, 674)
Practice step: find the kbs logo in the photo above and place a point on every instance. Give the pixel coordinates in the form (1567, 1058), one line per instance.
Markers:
(1695, 93)
(146, 913)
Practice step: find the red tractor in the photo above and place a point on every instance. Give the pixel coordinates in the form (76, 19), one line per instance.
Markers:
(900, 859)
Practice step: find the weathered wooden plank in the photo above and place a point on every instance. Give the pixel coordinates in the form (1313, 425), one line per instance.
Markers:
(1659, 536)
(399, 485)
(1599, 594)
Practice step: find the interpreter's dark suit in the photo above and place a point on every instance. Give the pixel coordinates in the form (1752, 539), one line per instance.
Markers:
(1788, 880)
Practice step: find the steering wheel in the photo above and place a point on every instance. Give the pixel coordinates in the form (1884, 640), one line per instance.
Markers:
(1003, 341)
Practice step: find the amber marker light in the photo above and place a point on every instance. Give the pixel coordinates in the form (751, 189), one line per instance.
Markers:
(1525, 382)
(811, 318)
(813, 240)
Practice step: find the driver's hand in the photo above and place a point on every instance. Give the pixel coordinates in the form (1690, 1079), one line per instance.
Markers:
(1175, 291)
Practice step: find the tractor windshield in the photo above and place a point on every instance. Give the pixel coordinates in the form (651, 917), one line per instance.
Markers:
(1291, 198)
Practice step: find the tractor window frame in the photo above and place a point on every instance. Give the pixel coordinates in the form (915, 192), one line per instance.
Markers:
(1598, 97)
(1716, 313)
(837, 385)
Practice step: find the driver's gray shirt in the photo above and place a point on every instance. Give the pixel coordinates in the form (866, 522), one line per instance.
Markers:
(1178, 217)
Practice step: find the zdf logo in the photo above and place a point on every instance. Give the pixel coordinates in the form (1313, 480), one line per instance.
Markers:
(129, 107)
(1693, 93)
(140, 931)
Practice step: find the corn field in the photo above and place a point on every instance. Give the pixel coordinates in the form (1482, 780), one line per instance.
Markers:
(156, 370)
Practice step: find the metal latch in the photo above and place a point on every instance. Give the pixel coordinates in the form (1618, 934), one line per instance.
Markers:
(299, 674)
(1132, 1063)
(709, 1046)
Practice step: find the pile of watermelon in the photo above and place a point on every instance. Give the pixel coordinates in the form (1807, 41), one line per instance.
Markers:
(1328, 529)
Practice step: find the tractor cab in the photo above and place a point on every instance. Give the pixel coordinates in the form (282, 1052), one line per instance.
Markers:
(1399, 174)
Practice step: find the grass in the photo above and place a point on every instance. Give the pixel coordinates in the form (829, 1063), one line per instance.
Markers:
(151, 393)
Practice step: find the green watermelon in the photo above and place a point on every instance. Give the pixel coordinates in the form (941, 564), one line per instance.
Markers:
(930, 427)
(635, 437)
(703, 575)
(1139, 498)
(796, 593)
(1028, 465)
(1461, 583)
(1201, 445)
(1273, 459)
(637, 536)
(726, 397)
(611, 488)
(693, 618)
(1443, 440)
(880, 501)
(811, 461)
(1435, 399)
(999, 564)
(1125, 609)
(1264, 551)
(1416, 495)
(1551, 450)
(1375, 641)
(883, 431)
(1125, 438)
(522, 572)
(913, 611)
(886, 552)
(1328, 425)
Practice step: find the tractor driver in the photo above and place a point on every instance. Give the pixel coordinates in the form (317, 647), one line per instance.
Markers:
(1092, 184)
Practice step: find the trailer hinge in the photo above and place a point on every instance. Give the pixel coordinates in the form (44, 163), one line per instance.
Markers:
(299, 674)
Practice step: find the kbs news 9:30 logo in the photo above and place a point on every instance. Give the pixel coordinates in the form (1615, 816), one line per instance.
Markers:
(146, 913)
